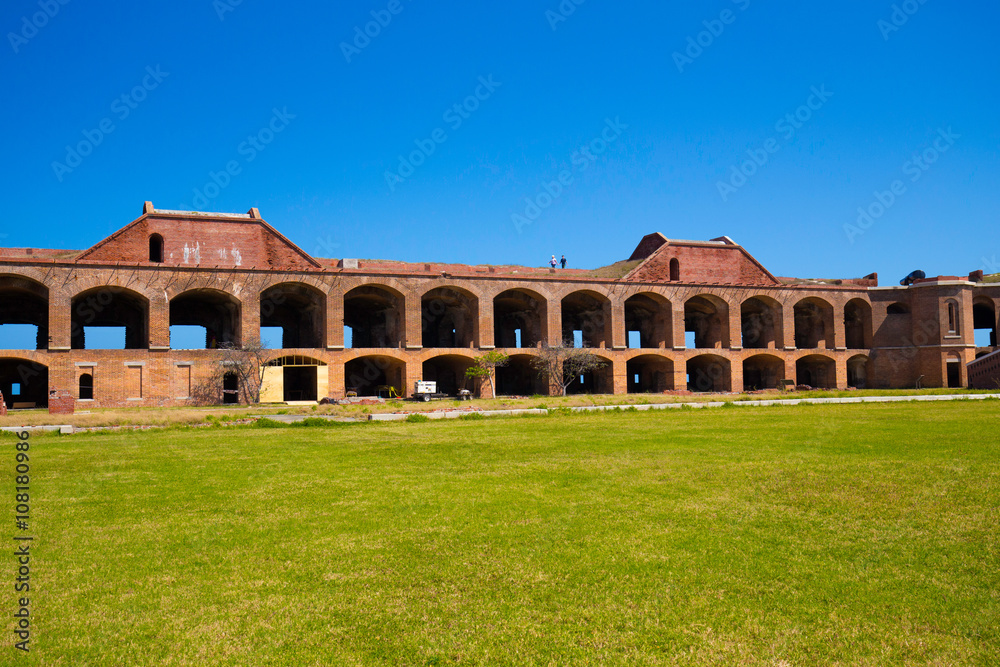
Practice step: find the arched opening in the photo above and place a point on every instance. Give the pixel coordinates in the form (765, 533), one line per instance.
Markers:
(953, 368)
(858, 324)
(586, 320)
(598, 381)
(953, 318)
(984, 321)
(294, 378)
(857, 371)
(649, 374)
(449, 372)
(86, 387)
(648, 322)
(816, 371)
(156, 248)
(374, 317)
(24, 314)
(709, 373)
(761, 324)
(109, 318)
(520, 378)
(449, 317)
(374, 375)
(298, 311)
(706, 322)
(813, 324)
(762, 371)
(25, 383)
(675, 270)
(204, 319)
(519, 319)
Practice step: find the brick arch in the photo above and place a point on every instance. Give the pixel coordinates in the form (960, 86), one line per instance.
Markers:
(375, 311)
(708, 316)
(317, 284)
(398, 291)
(816, 370)
(709, 373)
(598, 381)
(424, 288)
(762, 322)
(762, 371)
(589, 311)
(144, 294)
(600, 290)
(298, 308)
(538, 289)
(813, 318)
(26, 301)
(650, 313)
(345, 285)
(87, 283)
(352, 354)
(521, 309)
(450, 319)
(206, 283)
(647, 372)
(29, 274)
(222, 321)
(110, 306)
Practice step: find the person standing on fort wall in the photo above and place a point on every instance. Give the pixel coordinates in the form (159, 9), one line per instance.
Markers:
(552, 262)
(562, 261)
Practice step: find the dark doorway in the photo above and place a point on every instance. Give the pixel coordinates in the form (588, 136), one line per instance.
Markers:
(300, 383)
(230, 389)
(86, 387)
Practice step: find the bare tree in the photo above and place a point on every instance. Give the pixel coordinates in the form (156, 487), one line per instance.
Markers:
(563, 365)
(246, 362)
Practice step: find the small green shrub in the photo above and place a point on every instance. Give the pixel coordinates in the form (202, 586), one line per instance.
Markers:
(415, 418)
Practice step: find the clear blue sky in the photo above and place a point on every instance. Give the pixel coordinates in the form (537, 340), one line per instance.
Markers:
(322, 179)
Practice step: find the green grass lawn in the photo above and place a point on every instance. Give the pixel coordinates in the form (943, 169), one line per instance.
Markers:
(812, 535)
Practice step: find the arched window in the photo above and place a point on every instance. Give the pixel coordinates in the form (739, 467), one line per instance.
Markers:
(953, 322)
(156, 248)
(675, 270)
(86, 387)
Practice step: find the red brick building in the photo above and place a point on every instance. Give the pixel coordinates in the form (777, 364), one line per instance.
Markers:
(698, 315)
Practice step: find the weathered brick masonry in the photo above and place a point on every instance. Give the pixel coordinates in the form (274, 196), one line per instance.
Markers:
(233, 274)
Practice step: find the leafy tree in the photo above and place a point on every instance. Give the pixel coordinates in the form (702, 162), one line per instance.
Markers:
(485, 367)
(563, 365)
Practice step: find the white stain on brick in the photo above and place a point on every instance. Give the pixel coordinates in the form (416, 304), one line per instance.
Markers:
(192, 253)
